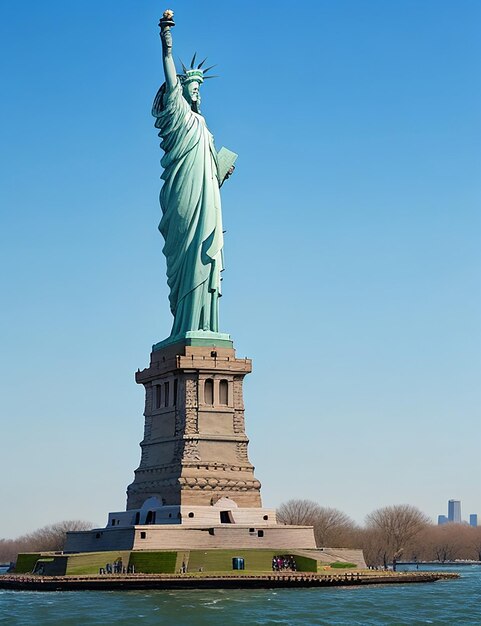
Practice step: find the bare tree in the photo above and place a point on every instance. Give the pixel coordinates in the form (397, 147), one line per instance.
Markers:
(476, 542)
(298, 512)
(46, 539)
(53, 537)
(373, 549)
(333, 528)
(447, 542)
(394, 527)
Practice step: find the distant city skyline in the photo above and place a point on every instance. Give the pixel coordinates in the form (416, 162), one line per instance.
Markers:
(454, 515)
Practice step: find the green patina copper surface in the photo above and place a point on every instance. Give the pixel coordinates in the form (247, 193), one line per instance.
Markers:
(197, 338)
(191, 221)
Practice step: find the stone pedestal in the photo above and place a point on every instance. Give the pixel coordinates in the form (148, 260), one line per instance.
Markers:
(195, 488)
(194, 449)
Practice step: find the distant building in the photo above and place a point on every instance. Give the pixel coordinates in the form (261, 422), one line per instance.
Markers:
(454, 511)
(473, 519)
(442, 519)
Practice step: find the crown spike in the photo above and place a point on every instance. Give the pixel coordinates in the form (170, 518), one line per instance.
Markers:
(184, 69)
(201, 63)
(209, 68)
(193, 61)
(207, 77)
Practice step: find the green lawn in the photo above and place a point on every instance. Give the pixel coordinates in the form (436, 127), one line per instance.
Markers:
(254, 560)
(90, 562)
(154, 562)
(26, 562)
(169, 562)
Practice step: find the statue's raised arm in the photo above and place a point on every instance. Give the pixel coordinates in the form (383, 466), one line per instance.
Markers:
(166, 24)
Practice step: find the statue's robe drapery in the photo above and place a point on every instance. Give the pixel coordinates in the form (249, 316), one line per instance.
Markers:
(191, 213)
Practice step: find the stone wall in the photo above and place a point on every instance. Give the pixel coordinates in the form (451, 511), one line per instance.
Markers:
(276, 537)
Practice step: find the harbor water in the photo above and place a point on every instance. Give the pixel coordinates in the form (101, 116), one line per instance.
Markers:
(441, 603)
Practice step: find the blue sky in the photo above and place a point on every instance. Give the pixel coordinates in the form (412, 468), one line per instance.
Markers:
(352, 247)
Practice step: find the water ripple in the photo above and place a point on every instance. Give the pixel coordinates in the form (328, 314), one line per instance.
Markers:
(442, 604)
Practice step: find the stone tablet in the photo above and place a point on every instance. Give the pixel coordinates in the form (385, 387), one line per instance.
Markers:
(225, 160)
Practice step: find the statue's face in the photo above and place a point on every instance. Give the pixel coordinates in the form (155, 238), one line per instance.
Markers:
(192, 94)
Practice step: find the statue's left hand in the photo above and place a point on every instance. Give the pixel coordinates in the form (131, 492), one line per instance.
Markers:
(230, 171)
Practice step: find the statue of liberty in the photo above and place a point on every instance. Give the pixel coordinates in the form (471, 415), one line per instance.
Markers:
(191, 221)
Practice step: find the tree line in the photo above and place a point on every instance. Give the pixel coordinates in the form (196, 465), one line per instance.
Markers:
(400, 532)
(50, 538)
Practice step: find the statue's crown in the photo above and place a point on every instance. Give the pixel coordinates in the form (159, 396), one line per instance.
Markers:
(189, 75)
(195, 73)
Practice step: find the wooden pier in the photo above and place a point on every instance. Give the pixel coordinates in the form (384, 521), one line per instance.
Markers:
(274, 580)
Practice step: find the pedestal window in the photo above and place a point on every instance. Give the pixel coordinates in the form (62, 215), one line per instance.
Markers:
(224, 392)
(176, 390)
(209, 391)
(158, 396)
